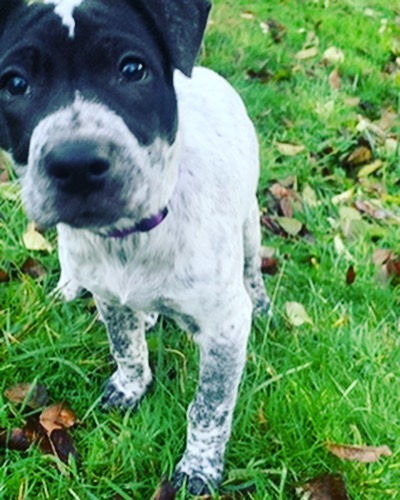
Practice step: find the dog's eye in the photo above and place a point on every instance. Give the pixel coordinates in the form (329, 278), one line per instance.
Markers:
(15, 85)
(132, 69)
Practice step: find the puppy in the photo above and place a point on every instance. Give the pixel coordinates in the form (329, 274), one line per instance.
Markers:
(150, 177)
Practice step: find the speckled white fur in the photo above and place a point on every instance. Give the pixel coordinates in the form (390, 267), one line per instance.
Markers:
(200, 266)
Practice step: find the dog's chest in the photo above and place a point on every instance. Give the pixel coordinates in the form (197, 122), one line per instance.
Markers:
(137, 273)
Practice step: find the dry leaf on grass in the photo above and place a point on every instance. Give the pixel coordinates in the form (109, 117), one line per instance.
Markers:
(297, 314)
(48, 430)
(269, 265)
(63, 446)
(325, 487)
(304, 54)
(370, 209)
(286, 149)
(165, 491)
(370, 169)
(248, 15)
(58, 416)
(34, 240)
(335, 81)
(341, 249)
(33, 395)
(364, 454)
(271, 224)
(351, 275)
(33, 268)
(333, 56)
(391, 146)
(360, 156)
(309, 196)
(387, 264)
(15, 440)
(291, 226)
(288, 200)
(4, 276)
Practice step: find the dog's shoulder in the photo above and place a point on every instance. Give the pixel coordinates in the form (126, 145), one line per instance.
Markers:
(209, 94)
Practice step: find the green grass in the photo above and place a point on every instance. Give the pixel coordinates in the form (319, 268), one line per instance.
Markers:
(335, 380)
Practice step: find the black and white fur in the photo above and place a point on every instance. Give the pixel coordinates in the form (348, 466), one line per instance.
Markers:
(107, 129)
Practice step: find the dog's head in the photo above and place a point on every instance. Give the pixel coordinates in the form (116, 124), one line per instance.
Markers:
(87, 104)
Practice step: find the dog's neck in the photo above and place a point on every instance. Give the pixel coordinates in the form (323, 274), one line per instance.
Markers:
(143, 226)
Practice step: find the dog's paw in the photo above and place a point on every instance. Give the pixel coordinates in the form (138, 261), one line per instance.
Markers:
(195, 485)
(201, 477)
(123, 396)
(67, 290)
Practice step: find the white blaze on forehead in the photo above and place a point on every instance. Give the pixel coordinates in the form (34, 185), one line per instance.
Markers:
(65, 9)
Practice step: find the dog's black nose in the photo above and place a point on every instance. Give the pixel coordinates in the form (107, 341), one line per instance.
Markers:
(77, 167)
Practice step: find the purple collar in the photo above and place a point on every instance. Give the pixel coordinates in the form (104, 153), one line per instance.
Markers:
(143, 226)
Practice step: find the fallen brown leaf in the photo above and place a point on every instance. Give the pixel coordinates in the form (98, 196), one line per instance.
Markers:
(393, 269)
(63, 446)
(361, 155)
(325, 487)
(4, 276)
(388, 120)
(58, 416)
(381, 256)
(33, 268)
(269, 265)
(350, 275)
(15, 440)
(288, 200)
(271, 224)
(33, 395)
(388, 266)
(335, 81)
(36, 434)
(371, 210)
(165, 492)
(364, 454)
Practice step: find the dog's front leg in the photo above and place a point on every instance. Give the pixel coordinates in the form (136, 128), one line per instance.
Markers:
(222, 342)
(126, 333)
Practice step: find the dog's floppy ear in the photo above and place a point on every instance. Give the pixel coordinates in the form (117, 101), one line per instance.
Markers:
(6, 8)
(180, 24)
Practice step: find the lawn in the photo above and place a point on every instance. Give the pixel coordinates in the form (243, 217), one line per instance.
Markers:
(321, 80)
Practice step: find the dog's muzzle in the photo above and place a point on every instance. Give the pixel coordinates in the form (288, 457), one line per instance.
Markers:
(77, 167)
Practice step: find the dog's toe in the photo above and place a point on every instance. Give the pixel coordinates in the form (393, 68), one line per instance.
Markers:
(115, 396)
(195, 485)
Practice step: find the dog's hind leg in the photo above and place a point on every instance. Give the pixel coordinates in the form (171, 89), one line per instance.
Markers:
(252, 262)
(126, 333)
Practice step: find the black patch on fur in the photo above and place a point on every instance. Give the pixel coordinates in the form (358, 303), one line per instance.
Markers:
(35, 44)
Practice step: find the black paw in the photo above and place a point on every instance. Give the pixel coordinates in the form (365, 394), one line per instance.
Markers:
(195, 485)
